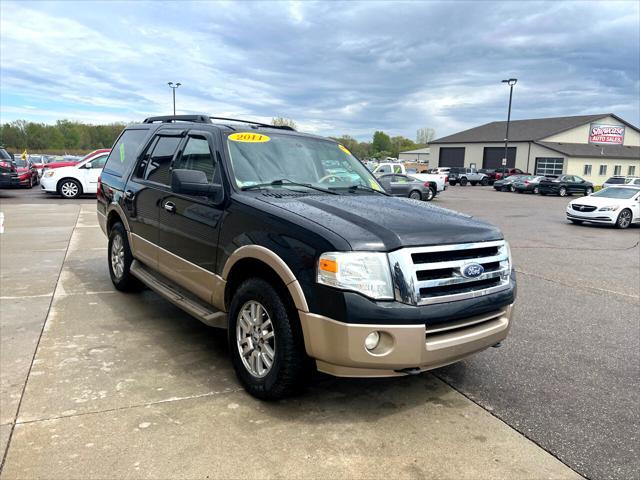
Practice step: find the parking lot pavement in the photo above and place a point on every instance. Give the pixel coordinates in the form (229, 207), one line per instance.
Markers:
(568, 376)
(129, 386)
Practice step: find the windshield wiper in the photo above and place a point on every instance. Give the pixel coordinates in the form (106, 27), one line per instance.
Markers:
(283, 182)
(353, 188)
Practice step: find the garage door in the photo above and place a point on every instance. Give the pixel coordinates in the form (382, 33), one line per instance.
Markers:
(492, 157)
(451, 157)
(549, 165)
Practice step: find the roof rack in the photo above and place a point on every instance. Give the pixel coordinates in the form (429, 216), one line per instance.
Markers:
(178, 118)
(207, 119)
(259, 124)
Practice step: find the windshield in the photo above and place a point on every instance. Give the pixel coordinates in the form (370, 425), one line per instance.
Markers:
(20, 162)
(616, 192)
(258, 159)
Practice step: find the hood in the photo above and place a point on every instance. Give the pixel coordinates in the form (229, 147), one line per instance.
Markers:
(65, 170)
(22, 169)
(598, 201)
(380, 223)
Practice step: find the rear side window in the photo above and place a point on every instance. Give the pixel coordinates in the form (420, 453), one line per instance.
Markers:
(124, 152)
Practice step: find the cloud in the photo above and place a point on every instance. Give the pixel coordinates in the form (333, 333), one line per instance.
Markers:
(333, 67)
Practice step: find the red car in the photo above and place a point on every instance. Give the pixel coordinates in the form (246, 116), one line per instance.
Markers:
(27, 173)
(70, 163)
(507, 172)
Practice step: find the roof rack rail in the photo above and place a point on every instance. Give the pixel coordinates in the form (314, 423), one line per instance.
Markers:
(178, 118)
(281, 127)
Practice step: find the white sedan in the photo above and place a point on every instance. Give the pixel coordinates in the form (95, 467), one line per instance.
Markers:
(73, 181)
(619, 206)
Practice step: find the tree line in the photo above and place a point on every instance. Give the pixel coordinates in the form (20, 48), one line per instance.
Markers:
(66, 136)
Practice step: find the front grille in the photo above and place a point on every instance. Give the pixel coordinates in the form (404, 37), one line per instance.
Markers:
(425, 275)
(583, 208)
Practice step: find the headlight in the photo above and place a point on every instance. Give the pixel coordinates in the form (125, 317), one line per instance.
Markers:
(49, 173)
(609, 208)
(367, 273)
(509, 261)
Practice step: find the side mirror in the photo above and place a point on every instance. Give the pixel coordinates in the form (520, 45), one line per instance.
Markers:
(87, 165)
(192, 182)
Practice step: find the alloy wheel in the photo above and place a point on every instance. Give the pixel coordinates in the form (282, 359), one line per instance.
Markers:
(69, 189)
(117, 256)
(563, 192)
(624, 220)
(255, 339)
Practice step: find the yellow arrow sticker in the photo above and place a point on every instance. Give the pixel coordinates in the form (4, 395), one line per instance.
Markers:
(248, 137)
(344, 149)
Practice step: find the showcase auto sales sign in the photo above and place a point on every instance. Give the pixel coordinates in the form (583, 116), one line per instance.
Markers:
(612, 134)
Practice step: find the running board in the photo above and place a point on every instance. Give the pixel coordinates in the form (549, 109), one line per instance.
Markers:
(207, 314)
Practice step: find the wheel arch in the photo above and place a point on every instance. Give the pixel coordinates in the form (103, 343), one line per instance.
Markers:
(59, 184)
(257, 261)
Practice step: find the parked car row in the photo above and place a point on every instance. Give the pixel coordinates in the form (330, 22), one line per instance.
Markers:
(561, 185)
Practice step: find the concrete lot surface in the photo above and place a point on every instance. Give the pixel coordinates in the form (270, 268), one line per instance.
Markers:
(100, 384)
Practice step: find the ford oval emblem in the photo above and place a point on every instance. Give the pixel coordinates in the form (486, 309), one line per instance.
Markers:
(472, 270)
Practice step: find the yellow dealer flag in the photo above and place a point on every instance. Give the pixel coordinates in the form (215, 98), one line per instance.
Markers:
(24, 154)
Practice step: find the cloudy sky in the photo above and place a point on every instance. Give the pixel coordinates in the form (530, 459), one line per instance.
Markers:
(333, 67)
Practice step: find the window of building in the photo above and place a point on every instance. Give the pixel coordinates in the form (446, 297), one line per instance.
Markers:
(587, 170)
(631, 170)
(549, 166)
(617, 170)
(603, 170)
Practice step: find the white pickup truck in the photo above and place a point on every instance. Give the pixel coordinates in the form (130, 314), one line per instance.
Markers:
(440, 180)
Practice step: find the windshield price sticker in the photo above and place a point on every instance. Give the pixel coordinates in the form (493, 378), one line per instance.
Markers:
(344, 149)
(248, 137)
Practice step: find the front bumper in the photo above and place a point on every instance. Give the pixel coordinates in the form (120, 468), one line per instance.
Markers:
(595, 216)
(8, 179)
(339, 347)
(49, 184)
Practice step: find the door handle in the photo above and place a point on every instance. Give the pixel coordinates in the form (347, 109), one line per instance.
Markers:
(170, 207)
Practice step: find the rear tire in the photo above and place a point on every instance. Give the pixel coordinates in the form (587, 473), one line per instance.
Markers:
(588, 191)
(430, 194)
(452, 183)
(624, 219)
(415, 195)
(276, 371)
(463, 182)
(562, 192)
(120, 258)
(512, 189)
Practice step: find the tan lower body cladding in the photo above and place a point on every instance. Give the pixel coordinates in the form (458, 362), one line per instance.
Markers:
(339, 348)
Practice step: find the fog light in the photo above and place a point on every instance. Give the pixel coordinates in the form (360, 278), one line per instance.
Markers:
(372, 340)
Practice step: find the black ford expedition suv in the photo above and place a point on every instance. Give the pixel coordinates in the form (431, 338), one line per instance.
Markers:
(288, 242)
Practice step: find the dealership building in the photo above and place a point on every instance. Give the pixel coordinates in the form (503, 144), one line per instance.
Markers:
(594, 147)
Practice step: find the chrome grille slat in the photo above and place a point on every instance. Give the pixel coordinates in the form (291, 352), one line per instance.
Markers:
(406, 271)
(459, 263)
(459, 279)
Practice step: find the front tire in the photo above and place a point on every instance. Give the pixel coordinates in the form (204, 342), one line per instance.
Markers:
(267, 352)
(512, 189)
(624, 219)
(536, 190)
(70, 188)
(576, 222)
(120, 258)
(484, 182)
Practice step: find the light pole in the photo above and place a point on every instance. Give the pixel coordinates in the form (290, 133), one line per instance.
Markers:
(511, 82)
(173, 89)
